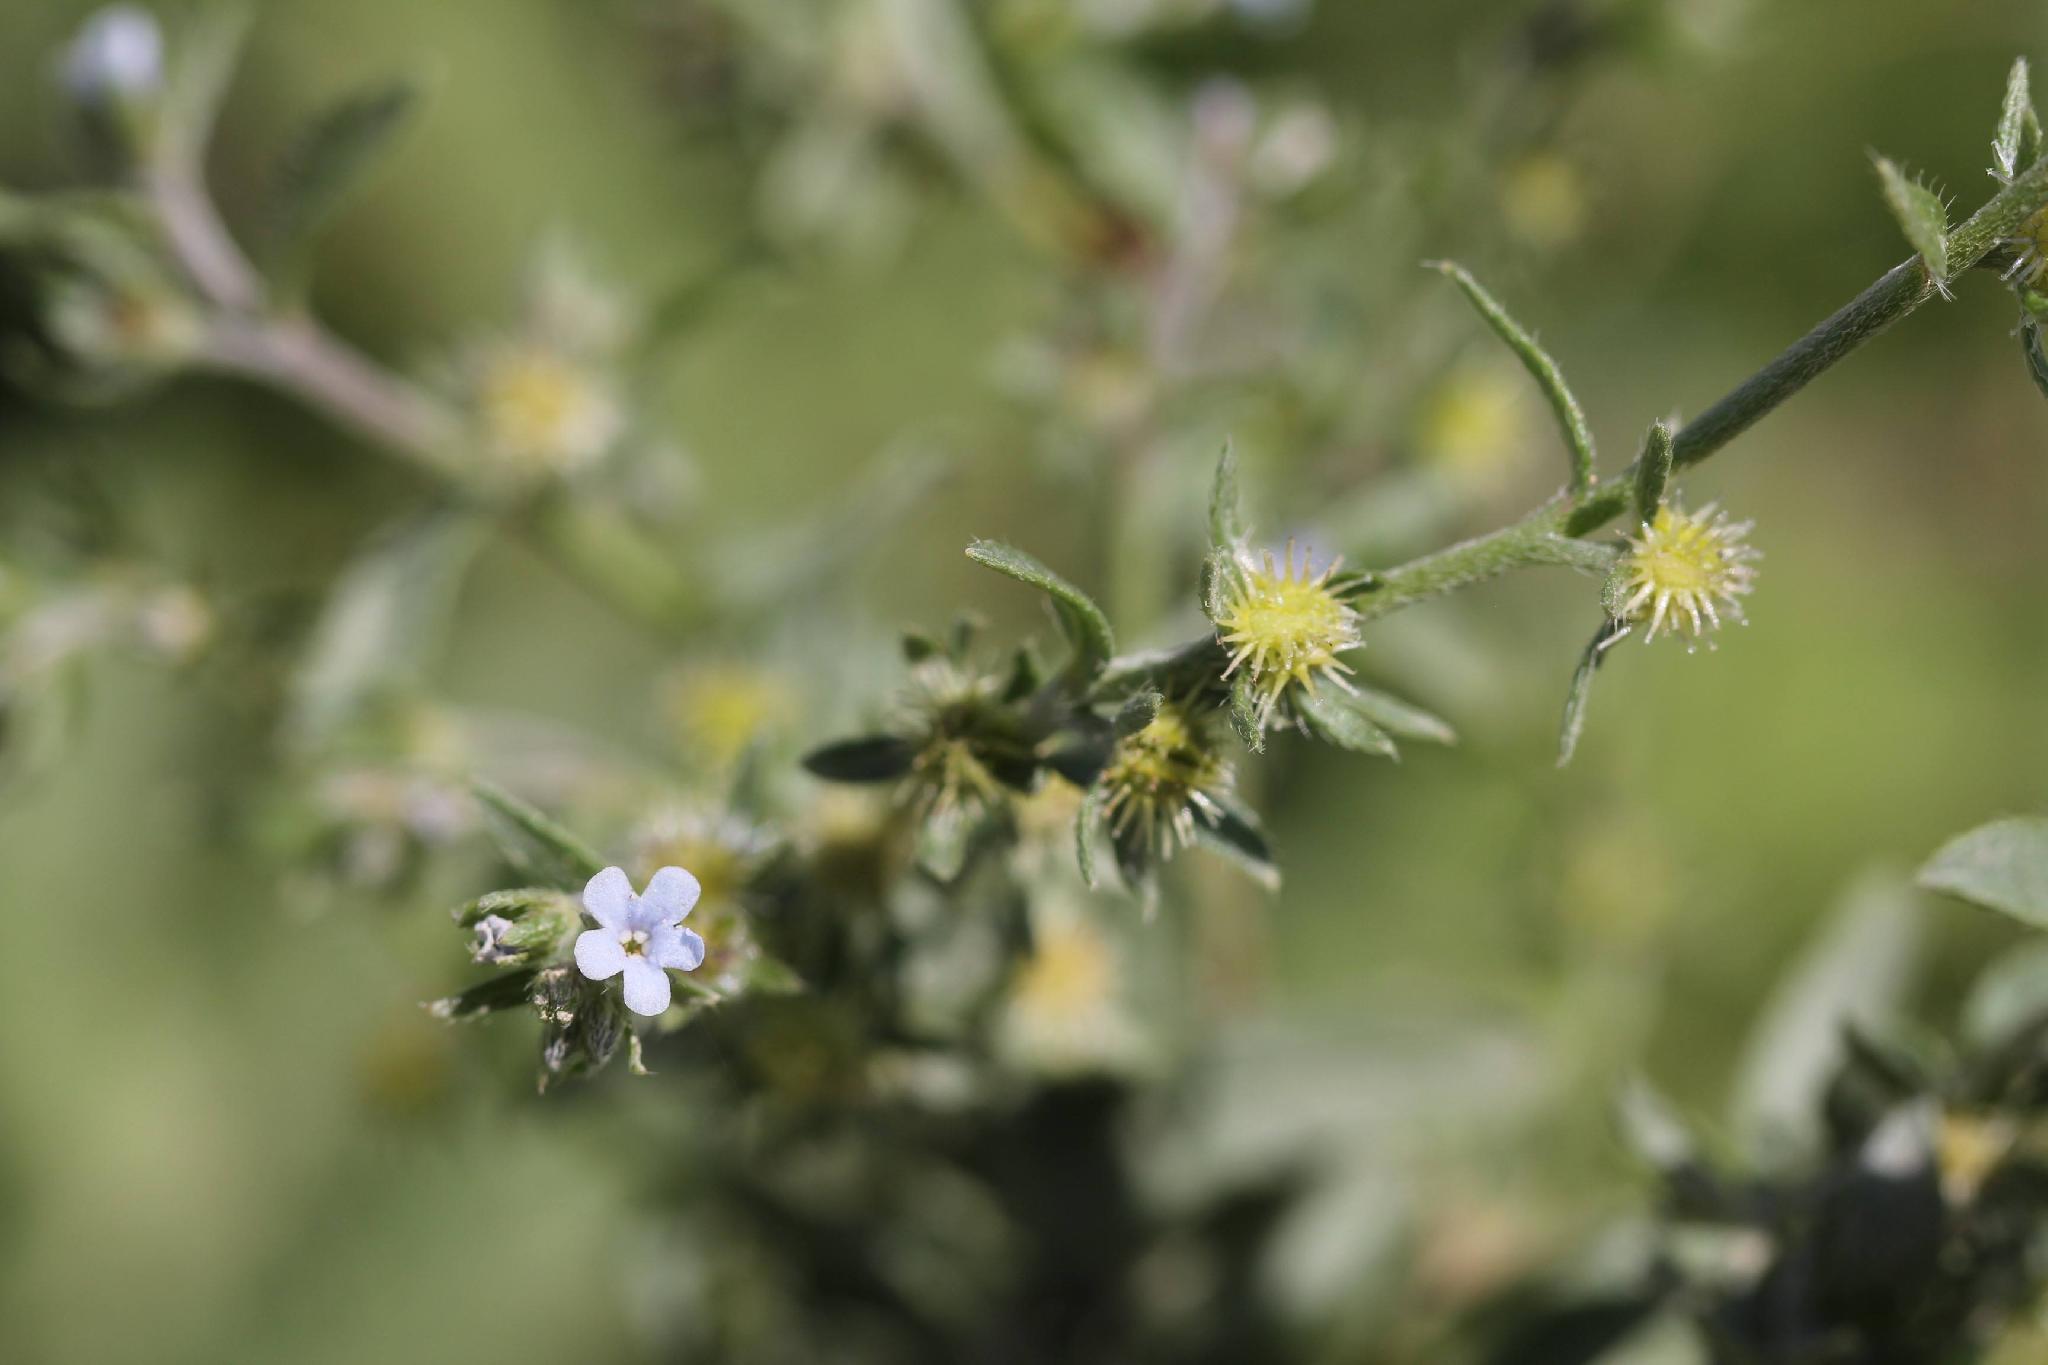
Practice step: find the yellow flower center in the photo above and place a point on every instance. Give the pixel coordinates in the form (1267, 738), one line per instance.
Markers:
(1283, 626)
(540, 407)
(1684, 570)
(720, 709)
(1157, 776)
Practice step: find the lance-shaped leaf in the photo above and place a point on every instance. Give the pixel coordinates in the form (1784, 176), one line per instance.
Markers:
(380, 622)
(1331, 716)
(2036, 357)
(2010, 995)
(500, 992)
(872, 758)
(2018, 139)
(538, 848)
(1653, 471)
(1229, 829)
(205, 57)
(1226, 507)
(1244, 712)
(1136, 713)
(1855, 971)
(1571, 418)
(1081, 621)
(1652, 1128)
(1582, 688)
(2002, 866)
(1088, 831)
(1401, 719)
(1921, 216)
(513, 904)
(330, 158)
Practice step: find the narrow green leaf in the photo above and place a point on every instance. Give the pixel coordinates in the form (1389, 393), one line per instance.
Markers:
(1226, 509)
(1231, 830)
(1330, 716)
(1581, 690)
(1401, 719)
(1653, 471)
(1856, 971)
(1652, 1128)
(2010, 995)
(514, 904)
(329, 158)
(1921, 216)
(1136, 713)
(205, 56)
(1025, 675)
(1244, 713)
(504, 991)
(2018, 139)
(2037, 359)
(966, 628)
(768, 975)
(872, 758)
(1088, 832)
(1571, 419)
(380, 623)
(1086, 628)
(533, 844)
(2002, 866)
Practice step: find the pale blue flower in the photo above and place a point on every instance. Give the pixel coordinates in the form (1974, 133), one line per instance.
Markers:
(117, 55)
(641, 936)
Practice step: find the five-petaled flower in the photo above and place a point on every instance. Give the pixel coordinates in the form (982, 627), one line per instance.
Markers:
(641, 936)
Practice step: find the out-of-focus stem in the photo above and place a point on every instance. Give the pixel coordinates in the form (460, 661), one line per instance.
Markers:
(293, 354)
(296, 355)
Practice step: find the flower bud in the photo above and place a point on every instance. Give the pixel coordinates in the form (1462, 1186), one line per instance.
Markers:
(518, 927)
(114, 73)
(117, 58)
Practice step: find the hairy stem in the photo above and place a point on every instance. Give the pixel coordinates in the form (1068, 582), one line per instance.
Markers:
(1536, 538)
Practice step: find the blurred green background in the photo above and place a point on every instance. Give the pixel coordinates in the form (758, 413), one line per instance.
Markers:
(228, 1133)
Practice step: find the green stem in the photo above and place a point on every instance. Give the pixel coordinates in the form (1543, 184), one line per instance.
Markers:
(1538, 537)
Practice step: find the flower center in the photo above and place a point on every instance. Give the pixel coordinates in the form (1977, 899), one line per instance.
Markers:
(1283, 624)
(634, 941)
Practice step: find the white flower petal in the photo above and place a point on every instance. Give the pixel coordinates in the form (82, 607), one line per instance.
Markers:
(609, 897)
(671, 892)
(599, 955)
(647, 988)
(682, 949)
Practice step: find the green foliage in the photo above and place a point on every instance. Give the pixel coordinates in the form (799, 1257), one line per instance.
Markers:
(1921, 215)
(1571, 419)
(2017, 142)
(374, 637)
(1226, 504)
(327, 160)
(929, 1094)
(2001, 866)
(1653, 471)
(1581, 691)
(1329, 715)
(1081, 621)
(535, 846)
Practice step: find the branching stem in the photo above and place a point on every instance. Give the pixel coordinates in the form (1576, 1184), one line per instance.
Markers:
(1534, 539)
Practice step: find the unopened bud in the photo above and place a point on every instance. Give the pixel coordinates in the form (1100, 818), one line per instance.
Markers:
(116, 59)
